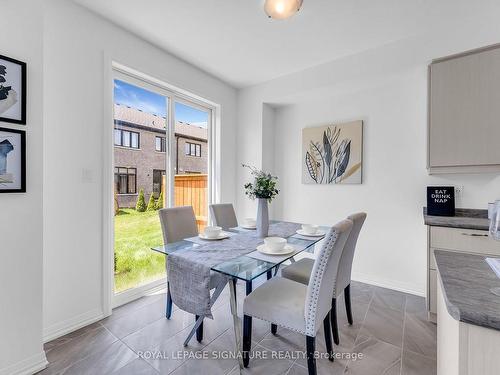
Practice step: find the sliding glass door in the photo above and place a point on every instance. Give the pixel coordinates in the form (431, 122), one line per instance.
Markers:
(140, 159)
(161, 158)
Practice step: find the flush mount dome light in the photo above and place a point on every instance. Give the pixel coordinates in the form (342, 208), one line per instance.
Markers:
(281, 9)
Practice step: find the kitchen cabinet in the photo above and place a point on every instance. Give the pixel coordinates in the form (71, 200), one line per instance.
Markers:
(462, 348)
(464, 113)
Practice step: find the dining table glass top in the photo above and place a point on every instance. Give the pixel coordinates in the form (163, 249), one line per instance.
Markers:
(248, 267)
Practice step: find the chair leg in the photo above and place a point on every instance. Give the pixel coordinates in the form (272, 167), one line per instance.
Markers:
(247, 339)
(311, 358)
(328, 338)
(199, 330)
(168, 311)
(274, 327)
(333, 318)
(347, 298)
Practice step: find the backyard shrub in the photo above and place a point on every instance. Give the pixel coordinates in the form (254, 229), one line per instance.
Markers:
(141, 202)
(159, 202)
(151, 203)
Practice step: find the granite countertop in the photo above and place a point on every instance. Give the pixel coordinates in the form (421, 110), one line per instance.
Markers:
(466, 281)
(466, 218)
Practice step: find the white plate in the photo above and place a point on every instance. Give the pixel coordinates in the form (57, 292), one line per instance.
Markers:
(252, 228)
(221, 236)
(319, 233)
(286, 250)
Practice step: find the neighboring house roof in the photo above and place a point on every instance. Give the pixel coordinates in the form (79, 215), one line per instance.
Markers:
(135, 116)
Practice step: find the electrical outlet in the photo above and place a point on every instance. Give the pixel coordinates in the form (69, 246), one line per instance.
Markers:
(459, 191)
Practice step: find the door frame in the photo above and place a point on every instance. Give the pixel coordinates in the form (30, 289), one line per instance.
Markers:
(113, 70)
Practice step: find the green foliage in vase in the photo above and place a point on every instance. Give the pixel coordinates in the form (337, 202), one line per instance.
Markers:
(264, 184)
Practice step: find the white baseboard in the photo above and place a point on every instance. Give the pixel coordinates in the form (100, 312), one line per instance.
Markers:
(27, 366)
(389, 284)
(62, 328)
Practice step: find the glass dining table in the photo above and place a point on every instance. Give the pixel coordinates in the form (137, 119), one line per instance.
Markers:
(245, 268)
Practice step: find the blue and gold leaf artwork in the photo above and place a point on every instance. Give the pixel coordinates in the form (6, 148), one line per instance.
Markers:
(333, 154)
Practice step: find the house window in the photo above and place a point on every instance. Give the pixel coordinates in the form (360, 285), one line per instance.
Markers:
(158, 175)
(193, 149)
(125, 180)
(160, 144)
(126, 138)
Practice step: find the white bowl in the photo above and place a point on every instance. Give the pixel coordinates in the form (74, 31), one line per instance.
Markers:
(212, 232)
(249, 222)
(275, 243)
(310, 228)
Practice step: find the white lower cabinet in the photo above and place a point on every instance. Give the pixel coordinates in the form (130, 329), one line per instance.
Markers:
(464, 349)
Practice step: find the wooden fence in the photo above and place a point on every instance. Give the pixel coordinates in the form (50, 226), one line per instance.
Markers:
(190, 190)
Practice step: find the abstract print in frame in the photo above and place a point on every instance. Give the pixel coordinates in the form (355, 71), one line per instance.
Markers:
(12, 161)
(12, 90)
(332, 154)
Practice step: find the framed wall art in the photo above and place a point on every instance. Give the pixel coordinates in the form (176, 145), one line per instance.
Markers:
(332, 154)
(12, 161)
(12, 91)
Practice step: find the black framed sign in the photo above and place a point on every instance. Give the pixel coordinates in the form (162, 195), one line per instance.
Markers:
(12, 161)
(12, 90)
(441, 200)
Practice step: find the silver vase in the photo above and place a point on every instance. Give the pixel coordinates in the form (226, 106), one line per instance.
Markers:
(262, 217)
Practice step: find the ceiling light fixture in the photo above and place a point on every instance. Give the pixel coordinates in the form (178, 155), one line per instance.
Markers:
(281, 9)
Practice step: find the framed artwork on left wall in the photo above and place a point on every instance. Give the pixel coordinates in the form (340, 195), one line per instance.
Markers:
(12, 161)
(12, 90)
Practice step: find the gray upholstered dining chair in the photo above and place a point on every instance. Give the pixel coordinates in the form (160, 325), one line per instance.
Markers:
(177, 224)
(298, 307)
(223, 215)
(300, 271)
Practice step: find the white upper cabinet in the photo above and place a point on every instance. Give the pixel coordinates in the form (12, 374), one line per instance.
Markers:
(464, 113)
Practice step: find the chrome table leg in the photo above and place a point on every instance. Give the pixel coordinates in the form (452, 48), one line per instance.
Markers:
(236, 321)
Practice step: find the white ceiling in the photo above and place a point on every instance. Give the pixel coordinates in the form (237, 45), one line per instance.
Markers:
(235, 41)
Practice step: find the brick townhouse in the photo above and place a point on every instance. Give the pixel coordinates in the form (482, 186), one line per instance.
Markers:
(140, 157)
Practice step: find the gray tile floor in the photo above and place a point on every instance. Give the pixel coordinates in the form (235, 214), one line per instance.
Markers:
(390, 330)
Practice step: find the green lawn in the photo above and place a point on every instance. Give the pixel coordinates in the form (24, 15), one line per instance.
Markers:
(135, 234)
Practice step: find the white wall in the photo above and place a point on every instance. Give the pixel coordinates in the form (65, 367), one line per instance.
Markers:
(268, 120)
(21, 214)
(75, 43)
(386, 88)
